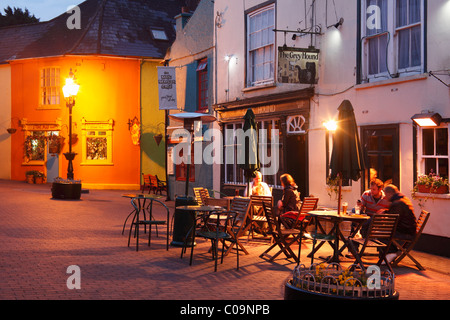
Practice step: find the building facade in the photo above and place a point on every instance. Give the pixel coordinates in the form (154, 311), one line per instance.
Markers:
(294, 62)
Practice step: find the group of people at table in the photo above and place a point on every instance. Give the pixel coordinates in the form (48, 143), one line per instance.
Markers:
(378, 199)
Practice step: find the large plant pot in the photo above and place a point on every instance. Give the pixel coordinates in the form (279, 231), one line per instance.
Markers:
(71, 191)
(293, 293)
(39, 180)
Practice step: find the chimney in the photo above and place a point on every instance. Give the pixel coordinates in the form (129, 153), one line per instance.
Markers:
(182, 19)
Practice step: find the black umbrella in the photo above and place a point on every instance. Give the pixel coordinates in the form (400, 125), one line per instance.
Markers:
(346, 160)
(251, 161)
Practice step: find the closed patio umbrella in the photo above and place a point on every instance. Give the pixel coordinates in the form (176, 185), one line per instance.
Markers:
(346, 159)
(251, 161)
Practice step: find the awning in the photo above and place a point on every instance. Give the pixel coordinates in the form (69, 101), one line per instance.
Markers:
(202, 65)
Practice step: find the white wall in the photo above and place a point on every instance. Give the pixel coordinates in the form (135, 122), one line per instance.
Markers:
(392, 101)
(5, 121)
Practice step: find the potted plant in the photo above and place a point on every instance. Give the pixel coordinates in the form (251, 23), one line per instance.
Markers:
(39, 177)
(431, 184)
(30, 176)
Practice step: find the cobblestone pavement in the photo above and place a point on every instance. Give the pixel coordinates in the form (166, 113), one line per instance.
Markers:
(41, 237)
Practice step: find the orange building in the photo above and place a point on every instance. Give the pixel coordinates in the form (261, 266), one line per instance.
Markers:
(109, 47)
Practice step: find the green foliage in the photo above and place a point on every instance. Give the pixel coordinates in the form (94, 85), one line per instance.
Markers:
(16, 16)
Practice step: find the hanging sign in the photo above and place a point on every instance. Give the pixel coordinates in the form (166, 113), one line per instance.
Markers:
(297, 65)
(167, 88)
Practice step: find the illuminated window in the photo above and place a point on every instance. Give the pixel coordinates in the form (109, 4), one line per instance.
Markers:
(97, 142)
(49, 87)
(433, 151)
(35, 144)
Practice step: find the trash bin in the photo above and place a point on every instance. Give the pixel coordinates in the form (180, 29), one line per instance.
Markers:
(183, 221)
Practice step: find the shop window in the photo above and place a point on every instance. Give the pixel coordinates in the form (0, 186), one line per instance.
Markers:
(50, 88)
(233, 173)
(35, 147)
(97, 142)
(261, 46)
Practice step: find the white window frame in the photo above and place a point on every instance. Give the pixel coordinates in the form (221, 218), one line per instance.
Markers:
(393, 45)
(50, 88)
(421, 157)
(261, 125)
(99, 129)
(268, 29)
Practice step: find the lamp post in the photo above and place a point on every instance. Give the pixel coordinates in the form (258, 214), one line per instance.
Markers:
(70, 91)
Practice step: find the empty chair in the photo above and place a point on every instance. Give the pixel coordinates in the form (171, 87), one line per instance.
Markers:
(147, 183)
(257, 218)
(240, 209)
(380, 234)
(405, 246)
(138, 204)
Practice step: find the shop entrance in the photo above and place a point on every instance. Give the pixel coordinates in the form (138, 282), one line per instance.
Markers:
(297, 161)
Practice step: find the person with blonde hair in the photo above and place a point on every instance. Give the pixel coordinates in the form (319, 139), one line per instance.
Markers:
(258, 187)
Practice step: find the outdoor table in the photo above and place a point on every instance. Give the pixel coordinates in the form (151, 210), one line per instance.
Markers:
(185, 217)
(141, 205)
(335, 233)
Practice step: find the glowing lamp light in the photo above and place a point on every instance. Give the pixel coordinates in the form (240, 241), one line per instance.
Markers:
(427, 119)
(331, 125)
(71, 88)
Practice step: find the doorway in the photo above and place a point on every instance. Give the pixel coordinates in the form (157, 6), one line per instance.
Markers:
(381, 154)
(52, 165)
(297, 161)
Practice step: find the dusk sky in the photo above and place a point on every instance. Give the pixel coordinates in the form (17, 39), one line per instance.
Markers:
(43, 9)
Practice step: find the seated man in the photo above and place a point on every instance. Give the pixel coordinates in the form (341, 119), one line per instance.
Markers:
(406, 227)
(374, 199)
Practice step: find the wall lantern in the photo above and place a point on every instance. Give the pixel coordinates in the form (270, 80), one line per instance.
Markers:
(429, 119)
(135, 130)
(331, 126)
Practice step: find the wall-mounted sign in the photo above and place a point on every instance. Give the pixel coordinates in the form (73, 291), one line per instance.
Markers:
(297, 65)
(167, 88)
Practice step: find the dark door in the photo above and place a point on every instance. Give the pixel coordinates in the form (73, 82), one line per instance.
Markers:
(381, 154)
(297, 161)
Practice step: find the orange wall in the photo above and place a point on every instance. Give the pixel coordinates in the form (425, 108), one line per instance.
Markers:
(109, 89)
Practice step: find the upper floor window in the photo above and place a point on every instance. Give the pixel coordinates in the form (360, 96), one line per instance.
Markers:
(50, 87)
(261, 46)
(202, 78)
(392, 43)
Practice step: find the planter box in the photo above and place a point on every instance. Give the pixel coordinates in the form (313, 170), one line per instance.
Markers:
(70, 191)
(30, 178)
(424, 189)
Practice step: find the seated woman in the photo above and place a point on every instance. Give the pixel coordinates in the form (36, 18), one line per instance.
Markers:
(258, 187)
(289, 205)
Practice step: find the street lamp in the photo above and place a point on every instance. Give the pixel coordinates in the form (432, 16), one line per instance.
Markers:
(70, 91)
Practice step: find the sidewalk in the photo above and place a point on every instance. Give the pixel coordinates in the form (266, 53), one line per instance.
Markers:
(41, 237)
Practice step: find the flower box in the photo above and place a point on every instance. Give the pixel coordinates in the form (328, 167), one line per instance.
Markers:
(425, 189)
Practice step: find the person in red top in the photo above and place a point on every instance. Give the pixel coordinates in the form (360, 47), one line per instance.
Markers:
(374, 199)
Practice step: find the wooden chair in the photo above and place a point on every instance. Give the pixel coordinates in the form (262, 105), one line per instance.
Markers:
(136, 202)
(200, 195)
(303, 220)
(240, 210)
(257, 218)
(283, 238)
(154, 184)
(162, 185)
(405, 246)
(380, 234)
(147, 183)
